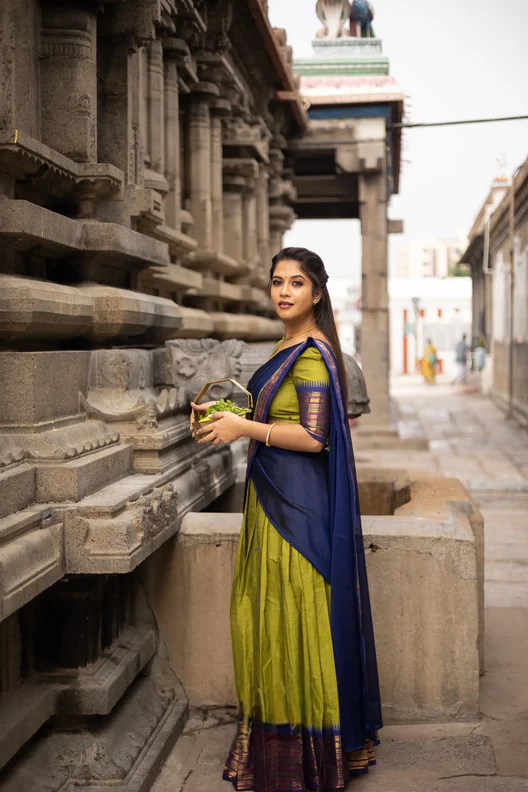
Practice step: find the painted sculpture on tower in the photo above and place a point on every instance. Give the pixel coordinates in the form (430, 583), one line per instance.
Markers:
(334, 14)
(361, 16)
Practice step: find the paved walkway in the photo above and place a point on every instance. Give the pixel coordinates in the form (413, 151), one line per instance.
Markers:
(469, 439)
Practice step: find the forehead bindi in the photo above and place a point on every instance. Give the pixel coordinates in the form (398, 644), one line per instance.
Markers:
(287, 270)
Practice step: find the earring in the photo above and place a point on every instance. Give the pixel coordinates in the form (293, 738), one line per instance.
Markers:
(315, 302)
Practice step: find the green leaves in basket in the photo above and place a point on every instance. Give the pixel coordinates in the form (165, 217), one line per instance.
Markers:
(223, 405)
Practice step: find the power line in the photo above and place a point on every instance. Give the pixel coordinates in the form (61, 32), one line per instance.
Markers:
(404, 125)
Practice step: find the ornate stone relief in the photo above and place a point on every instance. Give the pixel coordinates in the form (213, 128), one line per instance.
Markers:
(121, 389)
(190, 363)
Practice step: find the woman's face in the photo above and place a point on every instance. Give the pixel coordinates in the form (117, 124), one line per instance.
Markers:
(292, 292)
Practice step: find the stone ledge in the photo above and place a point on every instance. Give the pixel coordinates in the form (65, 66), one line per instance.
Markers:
(22, 712)
(195, 324)
(27, 226)
(173, 277)
(122, 752)
(23, 156)
(31, 308)
(119, 312)
(212, 261)
(118, 527)
(221, 291)
(96, 691)
(31, 557)
(74, 479)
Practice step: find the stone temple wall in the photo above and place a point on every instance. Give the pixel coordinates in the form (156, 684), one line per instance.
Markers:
(141, 191)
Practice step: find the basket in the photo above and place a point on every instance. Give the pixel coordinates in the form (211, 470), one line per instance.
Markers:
(206, 387)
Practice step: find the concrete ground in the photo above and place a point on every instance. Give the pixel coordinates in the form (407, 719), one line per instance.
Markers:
(470, 439)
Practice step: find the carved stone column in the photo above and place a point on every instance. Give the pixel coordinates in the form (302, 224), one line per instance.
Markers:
(250, 247)
(155, 109)
(219, 108)
(199, 147)
(234, 185)
(281, 219)
(68, 81)
(263, 220)
(375, 302)
(172, 134)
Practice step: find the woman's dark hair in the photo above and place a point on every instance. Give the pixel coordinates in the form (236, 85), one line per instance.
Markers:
(312, 266)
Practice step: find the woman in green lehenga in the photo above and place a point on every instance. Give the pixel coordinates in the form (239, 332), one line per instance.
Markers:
(303, 646)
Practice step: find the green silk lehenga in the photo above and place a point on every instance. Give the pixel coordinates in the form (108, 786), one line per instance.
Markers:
(290, 730)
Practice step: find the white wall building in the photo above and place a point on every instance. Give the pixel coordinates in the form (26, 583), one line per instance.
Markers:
(345, 293)
(428, 258)
(423, 308)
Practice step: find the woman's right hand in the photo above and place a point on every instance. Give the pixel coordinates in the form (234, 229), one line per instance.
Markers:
(202, 407)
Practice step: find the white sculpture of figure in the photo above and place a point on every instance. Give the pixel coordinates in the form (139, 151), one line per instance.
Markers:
(334, 15)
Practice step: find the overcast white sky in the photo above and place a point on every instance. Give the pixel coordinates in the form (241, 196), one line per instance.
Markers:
(454, 59)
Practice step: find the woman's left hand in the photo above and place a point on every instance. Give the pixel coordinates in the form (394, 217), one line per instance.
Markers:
(225, 428)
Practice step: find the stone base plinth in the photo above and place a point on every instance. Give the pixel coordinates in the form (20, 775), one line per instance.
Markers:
(423, 572)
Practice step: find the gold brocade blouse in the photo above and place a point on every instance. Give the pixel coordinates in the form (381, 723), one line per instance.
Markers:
(304, 396)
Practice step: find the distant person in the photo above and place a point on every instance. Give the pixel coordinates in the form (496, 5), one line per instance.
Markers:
(429, 363)
(479, 356)
(461, 353)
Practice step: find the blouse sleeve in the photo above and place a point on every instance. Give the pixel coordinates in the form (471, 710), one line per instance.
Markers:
(312, 385)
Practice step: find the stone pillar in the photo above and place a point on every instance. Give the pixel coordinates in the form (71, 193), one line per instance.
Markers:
(172, 141)
(218, 109)
(68, 80)
(199, 147)
(250, 247)
(155, 107)
(375, 301)
(263, 220)
(234, 186)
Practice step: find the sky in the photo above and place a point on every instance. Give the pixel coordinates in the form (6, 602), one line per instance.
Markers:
(456, 59)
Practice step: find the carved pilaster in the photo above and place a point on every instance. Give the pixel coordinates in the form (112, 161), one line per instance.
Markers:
(240, 209)
(199, 151)
(68, 87)
(155, 109)
(219, 108)
(263, 221)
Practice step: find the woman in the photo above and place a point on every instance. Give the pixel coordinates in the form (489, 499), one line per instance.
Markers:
(303, 642)
(429, 363)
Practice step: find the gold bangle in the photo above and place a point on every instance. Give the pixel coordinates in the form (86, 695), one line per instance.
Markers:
(268, 435)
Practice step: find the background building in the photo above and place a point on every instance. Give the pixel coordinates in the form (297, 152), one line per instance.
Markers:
(423, 308)
(429, 258)
(498, 256)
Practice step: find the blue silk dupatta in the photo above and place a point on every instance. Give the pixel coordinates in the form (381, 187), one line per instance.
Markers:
(312, 501)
